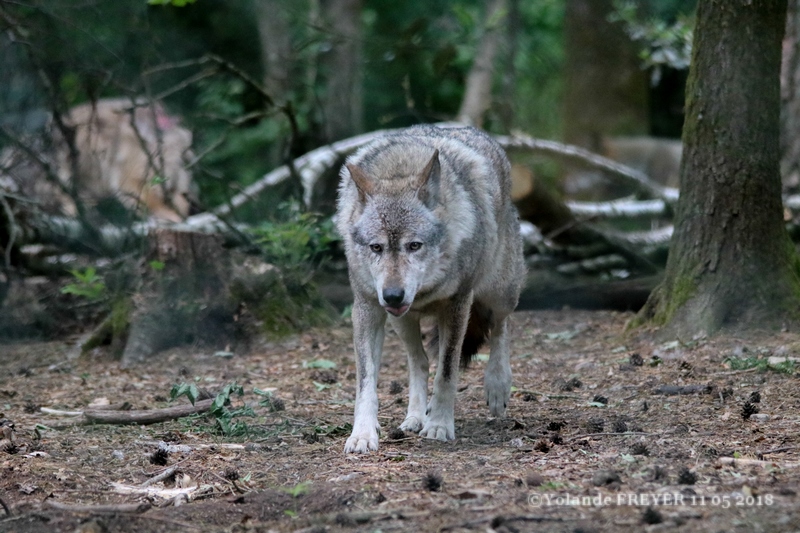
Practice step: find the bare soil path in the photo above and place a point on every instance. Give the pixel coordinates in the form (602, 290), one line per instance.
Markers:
(595, 439)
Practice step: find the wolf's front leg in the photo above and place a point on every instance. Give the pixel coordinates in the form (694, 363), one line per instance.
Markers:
(453, 317)
(407, 328)
(368, 324)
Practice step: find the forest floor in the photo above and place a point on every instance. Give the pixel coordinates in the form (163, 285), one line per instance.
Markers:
(590, 442)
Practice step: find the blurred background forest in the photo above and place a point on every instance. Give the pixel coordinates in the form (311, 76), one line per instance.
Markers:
(564, 69)
(255, 84)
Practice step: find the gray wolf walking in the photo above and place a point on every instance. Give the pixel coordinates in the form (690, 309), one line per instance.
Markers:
(429, 230)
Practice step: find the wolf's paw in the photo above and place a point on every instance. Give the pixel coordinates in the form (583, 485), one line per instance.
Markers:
(497, 401)
(438, 431)
(498, 391)
(362, 441)
(411, 423)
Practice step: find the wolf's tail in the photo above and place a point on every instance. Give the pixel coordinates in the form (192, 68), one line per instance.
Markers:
(479, 328)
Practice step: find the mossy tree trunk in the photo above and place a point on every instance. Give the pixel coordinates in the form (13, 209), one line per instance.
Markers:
(731, 264)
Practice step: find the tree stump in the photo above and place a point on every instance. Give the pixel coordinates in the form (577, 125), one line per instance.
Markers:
(185, 291)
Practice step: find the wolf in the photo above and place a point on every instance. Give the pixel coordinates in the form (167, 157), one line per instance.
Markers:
(429, 230)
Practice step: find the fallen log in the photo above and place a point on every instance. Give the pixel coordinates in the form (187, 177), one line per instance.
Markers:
(545, 291)
(109, 508)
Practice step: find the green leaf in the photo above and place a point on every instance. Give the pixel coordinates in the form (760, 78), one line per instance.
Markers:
(319, 363)
(320, 386)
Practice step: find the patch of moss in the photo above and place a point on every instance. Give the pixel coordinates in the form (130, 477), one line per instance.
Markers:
(291, 307)
(664, 302)
(280, 300)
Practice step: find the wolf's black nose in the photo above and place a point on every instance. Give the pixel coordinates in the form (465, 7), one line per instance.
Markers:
(393, 296)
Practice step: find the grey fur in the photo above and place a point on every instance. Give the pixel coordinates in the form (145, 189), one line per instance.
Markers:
(429, 229)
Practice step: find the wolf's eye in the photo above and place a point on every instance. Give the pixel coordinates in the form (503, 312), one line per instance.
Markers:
(414, 246)
(377, 248)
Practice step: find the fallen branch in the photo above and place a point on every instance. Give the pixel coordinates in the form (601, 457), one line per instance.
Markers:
(623, 208)
(574, 153)
(656, 237)
(779, 450)
(733, 461)
(100, 509)
(160, 477)
(313, 164)
(310, 166)
(166, 494)
(59, 412)
(673, 390)
(144, 417)
(625, 434)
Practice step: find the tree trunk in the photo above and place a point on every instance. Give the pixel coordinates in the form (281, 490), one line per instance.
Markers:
(343, 101)
(605, 86)
(790, 99)
(478, 89)
(276, 46)
(731, 264)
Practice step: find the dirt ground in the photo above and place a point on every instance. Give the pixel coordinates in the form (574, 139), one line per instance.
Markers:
(589, 444)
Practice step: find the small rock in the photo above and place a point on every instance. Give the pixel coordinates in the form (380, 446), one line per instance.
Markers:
(534, 479)
(517, 442)
(759, 417)
(605, 477)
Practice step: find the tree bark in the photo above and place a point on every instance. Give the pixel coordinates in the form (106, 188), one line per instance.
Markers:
(731, 264)
(478, 86)
(790, 99)
(276, 46)
(343, 101)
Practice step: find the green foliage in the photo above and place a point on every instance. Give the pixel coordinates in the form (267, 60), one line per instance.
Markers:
(225, 419)
(298, 490)
(319, 363)
(664, 44)
(300, 239)
(88, 284)
(420, 55)
(761, 363)
(189, 390)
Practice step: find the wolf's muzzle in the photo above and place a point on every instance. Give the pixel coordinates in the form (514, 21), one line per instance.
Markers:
(393, 298)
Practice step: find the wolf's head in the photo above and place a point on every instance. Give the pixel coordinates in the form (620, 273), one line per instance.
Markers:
(398, 234)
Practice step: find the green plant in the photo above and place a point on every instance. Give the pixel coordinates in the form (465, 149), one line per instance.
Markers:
(300, 239)
(664, 44)
(88, 284)
(761, 363)
(298, 490)
(225, 418)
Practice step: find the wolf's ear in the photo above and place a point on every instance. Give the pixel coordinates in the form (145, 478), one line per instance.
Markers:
(364, 185)
(428, 187)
